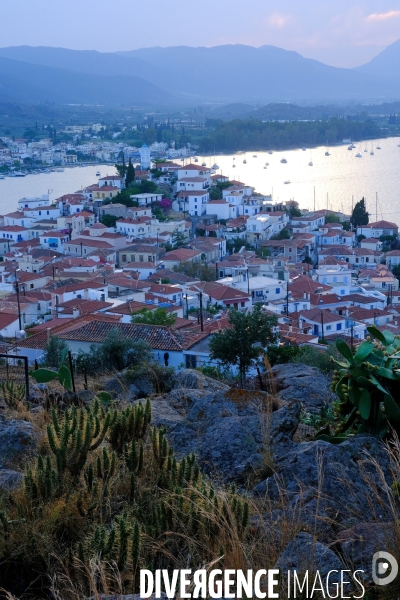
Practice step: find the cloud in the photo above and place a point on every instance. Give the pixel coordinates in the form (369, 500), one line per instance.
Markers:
(278, 20)
(391, 14)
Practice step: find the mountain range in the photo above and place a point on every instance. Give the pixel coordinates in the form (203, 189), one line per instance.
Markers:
(184, 76)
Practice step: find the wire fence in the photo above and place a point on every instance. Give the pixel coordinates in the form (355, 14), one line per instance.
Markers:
(15, 369)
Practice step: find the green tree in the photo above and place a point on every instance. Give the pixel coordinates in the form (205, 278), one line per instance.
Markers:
(53, 351)
(109, 220)
(178, 239)
(245, 341)
(130, 174)
(263, 252)
(284, 234)
(154, 317)
(332, 218)
(359, 215)
(121, 168)
(197, 269)
(294, 212)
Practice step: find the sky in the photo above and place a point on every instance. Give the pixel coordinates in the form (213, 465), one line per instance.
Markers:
(343, 33)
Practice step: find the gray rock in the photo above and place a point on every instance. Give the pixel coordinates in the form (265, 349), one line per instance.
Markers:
(305, 384)
(359, 544)
(195, 380)
(228, 432)
(86, 396)
(163, 414)
(10, 480)
(340, 475)
(18, 442)
(142, 388)
(114, 387)
(303, 553)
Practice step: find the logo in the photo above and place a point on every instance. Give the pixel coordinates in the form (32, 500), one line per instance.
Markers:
(384, 568)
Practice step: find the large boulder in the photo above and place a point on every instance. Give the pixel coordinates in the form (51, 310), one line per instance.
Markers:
(18, 443)
(10, 480)
(195, 380)
(304, 554)
(230, 431)
(305, 384)
(361, 542)
(341, 476)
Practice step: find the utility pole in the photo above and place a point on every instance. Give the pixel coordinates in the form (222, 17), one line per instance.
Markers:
(187, 306)
(18, 303)
(287, 298)
(248, 282)
(201, 311)
(322, 325)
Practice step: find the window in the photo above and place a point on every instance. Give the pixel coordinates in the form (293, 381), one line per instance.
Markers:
(140, 257)
(328, 327)
(124, 258)
(149, 258)
(338, 326)
(342, 292)
(278, 291)
(242, 304)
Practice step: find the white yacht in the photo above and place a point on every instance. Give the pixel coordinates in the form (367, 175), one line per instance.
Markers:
(327, 153)
(311, 164)
(215, 166)
(245, 162)
(196, 159)
(358, 155)
(2, 176)
(98, 174)
(283, 160)
(203, 164)
(19, 174)
(304, 149)
(350, 147)
(286, 182)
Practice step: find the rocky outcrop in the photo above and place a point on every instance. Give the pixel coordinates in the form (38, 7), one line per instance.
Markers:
(304, 554)
(18, 443)
(10, 480)
(306, 385)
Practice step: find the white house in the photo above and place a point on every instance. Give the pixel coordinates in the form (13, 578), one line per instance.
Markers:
(222, 209)
(112, 181)
(146, 199)
(258, 228)
(18, 218)
(375, 230)
(14, 233)
(54, 240)
(136, 228)
(34, 201)
(193, 203)
(43, 212)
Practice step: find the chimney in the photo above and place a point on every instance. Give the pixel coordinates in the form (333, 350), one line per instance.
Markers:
(155, 300)
(290, 328)
(305, 295)
(308, 296)
(75, 312)
(48, 334)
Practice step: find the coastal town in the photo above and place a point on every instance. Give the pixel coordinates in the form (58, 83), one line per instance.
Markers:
(194, 245)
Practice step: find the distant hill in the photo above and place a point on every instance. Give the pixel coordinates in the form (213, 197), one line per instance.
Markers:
(386, 63)
(32, 83)
(236, 75)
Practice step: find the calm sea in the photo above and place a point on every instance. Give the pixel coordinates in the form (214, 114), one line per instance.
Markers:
(338, 179)
(57, 184)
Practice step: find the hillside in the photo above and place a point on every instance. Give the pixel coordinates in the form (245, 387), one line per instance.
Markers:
(387, 63)
(24, 82)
